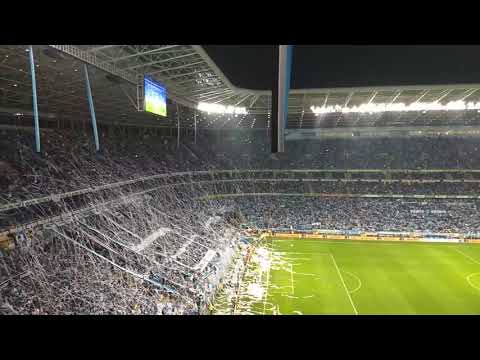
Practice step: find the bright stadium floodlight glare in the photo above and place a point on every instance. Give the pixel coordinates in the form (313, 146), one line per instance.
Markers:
(221, 109)
(399, 107)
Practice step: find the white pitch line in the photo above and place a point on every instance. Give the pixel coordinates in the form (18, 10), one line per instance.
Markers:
(291, 278)
(345, 286)
(369, 242)
(358, 280)
(470, 282)
(467, 256)
(266, 291)
(472, 274)
(364, 242)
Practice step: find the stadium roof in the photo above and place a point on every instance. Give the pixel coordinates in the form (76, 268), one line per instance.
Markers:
(327, 66)
(190, 75)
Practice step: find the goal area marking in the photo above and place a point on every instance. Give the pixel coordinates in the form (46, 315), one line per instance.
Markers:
(292, 281)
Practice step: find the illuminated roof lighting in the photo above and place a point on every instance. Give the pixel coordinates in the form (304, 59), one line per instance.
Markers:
(220, 109)
(399, 107)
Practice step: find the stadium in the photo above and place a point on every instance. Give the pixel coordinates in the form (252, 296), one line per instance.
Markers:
(137, 179)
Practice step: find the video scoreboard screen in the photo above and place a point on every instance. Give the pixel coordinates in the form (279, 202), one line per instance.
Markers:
(155, 97)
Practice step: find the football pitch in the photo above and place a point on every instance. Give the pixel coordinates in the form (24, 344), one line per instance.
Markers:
(308, 276)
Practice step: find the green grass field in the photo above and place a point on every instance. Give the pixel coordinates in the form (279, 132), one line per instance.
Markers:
(305, 276)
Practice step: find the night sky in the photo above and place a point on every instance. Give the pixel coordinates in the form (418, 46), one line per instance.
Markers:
(251, 66)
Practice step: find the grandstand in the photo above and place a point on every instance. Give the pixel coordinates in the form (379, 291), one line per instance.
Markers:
(191, 213)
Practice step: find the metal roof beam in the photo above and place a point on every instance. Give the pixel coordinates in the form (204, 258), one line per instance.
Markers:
(395, 97)
(326, 99)
(159, 61)
(112, 69)
(216, 96)
(100, 48)
(445, 94)
(372, 97)
(92, 60)
(228, 97)
(470, 93)
(242, 100)
(254, 100)
(188, 74)
(218, 91)
(211, 77)
(175, 68)
(346, 101)
(140, 53)
(421, 96)
(380, 88)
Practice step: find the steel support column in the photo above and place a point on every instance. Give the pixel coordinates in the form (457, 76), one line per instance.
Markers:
(35, 105)
(92, 109)
(178, 126)
(195, 127)
(281, 87)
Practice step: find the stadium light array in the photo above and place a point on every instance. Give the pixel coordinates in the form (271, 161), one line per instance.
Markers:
(399, 107)
(221, 109)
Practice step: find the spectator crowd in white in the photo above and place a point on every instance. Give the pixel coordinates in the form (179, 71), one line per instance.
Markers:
(161, 249)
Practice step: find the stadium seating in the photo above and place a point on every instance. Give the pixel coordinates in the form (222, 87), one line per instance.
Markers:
(162, 232)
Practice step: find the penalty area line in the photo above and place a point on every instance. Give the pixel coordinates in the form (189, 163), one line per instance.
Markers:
(344, 286)
(268, 280)
(470, 281)
(291, 278)
(266, 291)
(466, 255)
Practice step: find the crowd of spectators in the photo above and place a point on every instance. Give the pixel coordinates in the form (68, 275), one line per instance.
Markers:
(170, 239)
(362, 214)
(338, 187)
(163, 239)
(68, 161)
(440, 152)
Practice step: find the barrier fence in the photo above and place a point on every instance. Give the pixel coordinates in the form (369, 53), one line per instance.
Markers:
(367, 236)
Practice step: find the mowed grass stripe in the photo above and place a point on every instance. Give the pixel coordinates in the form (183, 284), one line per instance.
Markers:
(402, 279)
(424, 280)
